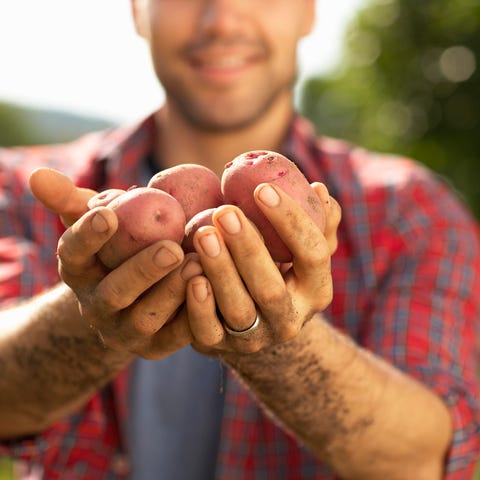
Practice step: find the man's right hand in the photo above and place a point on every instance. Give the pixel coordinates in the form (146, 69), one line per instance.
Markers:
(130, 306)
(133, 308)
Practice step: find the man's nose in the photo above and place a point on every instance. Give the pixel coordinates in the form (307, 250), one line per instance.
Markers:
(222, 16)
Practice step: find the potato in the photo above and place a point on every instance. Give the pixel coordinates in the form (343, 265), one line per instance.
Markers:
(102, 199)
(196, 187)
(145, 215)
(200, 219)
(242, 175)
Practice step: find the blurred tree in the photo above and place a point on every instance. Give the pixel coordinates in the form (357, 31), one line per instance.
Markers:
(12, 128)
(409, 82)
(21, 125)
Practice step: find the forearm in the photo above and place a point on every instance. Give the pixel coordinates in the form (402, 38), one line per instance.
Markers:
(344, 403)
(51, 362)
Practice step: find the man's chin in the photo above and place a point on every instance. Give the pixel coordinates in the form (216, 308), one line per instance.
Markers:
(218, 118)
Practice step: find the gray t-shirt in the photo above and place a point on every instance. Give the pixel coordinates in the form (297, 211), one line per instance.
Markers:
(175, 417)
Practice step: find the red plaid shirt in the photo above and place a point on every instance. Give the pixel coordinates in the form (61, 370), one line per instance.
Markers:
(406, 280)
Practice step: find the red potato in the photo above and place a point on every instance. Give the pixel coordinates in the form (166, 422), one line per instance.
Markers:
(242, 175)
(195, 187)
(102, 199)
(145, 215)
(201, 219)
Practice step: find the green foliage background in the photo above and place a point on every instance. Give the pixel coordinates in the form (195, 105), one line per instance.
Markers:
(409, 82)
(23, 125)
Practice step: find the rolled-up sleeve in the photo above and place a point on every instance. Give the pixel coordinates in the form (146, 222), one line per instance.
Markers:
(426, 314)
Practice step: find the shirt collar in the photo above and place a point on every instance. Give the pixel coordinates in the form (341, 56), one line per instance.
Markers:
(124, 153)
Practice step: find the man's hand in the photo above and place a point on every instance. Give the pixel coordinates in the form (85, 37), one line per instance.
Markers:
(338, 399)
(241, 279)
(133, 308)
(128, 306)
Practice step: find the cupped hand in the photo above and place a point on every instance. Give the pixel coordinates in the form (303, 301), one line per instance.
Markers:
(241, 280)
(133, 307)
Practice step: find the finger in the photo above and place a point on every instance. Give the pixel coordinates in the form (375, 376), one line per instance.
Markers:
(331, 228)
(122, 287)
(252, 260)
(58, 193)
(79, 244)
(301, 235)
(160, 303)
(333, 215)
(208, 330)
(171, 337)
(206, 327)
(231, 295)
(322, 193)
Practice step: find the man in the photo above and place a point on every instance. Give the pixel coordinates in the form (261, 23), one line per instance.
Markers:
(377, 383)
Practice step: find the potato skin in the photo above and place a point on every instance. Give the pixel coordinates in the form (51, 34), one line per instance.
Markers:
(194, 186)
(242, 175)
(200, 219)
(145, 215)
(102, 199)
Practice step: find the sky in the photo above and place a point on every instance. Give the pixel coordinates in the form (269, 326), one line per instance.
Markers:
(84, 56)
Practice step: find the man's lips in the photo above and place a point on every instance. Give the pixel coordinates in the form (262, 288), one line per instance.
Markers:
(221, 62)
(228, 58)
(225, 68)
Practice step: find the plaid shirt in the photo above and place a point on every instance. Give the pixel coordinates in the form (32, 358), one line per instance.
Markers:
(406, 281)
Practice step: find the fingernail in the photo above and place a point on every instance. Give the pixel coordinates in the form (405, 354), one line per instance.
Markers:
(164, 258)
(210, 244)
(191, 269)
(268, 196)
(99, 224)
(200, 290)
(230, 222)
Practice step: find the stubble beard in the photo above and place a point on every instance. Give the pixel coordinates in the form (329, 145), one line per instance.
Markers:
(226, 114)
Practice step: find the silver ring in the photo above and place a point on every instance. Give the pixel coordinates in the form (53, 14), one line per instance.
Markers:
(241, 333)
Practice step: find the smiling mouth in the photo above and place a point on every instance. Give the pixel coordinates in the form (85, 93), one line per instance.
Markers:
(229, 55)
(224, 69)
(226, 62)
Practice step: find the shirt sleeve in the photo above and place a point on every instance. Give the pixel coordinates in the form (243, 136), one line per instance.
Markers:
(85, 444)
(426, 311)
(28, 240)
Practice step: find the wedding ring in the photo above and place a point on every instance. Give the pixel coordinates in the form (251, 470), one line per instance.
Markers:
(241, 333)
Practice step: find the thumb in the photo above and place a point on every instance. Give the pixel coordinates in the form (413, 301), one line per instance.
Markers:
(58, 193)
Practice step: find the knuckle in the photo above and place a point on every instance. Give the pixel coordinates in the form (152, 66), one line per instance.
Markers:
(249, 250)
(64, 251)
(324, 293)
(319, 256)
(149, 354)
(335, 216)
(247, 346)
(146, 272)
(210, 339)
(287, 332)
(111, 294)
(144, 326)
(172, 293)
(270, 297)
(333, 244)
(241, 317)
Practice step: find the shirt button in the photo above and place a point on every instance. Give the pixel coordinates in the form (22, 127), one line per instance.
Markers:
(120, 464)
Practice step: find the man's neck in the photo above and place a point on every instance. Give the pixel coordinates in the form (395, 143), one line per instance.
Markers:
(179, 142)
